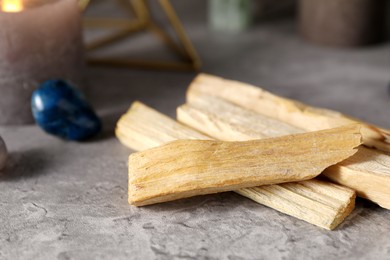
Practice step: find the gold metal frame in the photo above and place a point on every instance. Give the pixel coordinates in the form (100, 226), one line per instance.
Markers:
(142, 21)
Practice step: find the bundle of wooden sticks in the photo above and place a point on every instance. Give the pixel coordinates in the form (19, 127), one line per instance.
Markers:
(232, 136)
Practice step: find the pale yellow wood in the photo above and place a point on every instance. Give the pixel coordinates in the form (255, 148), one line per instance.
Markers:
(134, 128)
(142, 127)
(289, 111)
(225, 121)
(367, 172)
(318, 202)
(186, 168)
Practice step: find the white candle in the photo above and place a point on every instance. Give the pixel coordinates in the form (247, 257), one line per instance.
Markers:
(36, 44)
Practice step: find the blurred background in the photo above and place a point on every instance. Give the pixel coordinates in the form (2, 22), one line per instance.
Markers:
(334, 55)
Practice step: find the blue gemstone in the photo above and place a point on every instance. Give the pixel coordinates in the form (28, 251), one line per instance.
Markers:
(61, 110)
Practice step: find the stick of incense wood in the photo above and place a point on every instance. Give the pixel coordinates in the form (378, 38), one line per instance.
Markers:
(286, 110)
(186, 168)
(367, 172)
(320, 203)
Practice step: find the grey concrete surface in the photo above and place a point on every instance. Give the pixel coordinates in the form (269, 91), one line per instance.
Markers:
(66, 200)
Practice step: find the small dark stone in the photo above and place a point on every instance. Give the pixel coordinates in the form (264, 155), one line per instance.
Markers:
(61, 110)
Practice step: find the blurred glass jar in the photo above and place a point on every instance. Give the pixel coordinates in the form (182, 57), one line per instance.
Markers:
(230, 15)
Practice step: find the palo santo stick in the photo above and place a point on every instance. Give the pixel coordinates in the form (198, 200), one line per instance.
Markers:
(367, 172)
(225, 121)
(317, 202)
(134, 128)
(186, 168)
(289, 111)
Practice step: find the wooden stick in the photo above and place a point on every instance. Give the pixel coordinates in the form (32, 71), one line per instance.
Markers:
(317, 202)
(186, 168)
(367, 172)
(289, 111)
(142, 128)
(225, 121)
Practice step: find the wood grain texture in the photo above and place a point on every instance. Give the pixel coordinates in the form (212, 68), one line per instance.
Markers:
(304, 200)
(287, 110)
(221, 119)
(367, 172)
(137, 120)
(186, 168)
(318, 202)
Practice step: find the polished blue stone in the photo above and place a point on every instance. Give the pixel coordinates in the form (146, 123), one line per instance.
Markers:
(61, 110)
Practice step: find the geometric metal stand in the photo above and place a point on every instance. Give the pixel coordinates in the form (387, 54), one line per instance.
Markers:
(140, 19)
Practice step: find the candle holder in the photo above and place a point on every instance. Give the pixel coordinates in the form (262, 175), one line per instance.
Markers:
(142, 21)
(41, 42)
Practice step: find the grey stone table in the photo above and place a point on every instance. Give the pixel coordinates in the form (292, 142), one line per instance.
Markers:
(66, 200)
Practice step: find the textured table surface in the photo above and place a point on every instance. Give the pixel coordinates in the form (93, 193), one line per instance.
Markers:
(67, 200)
